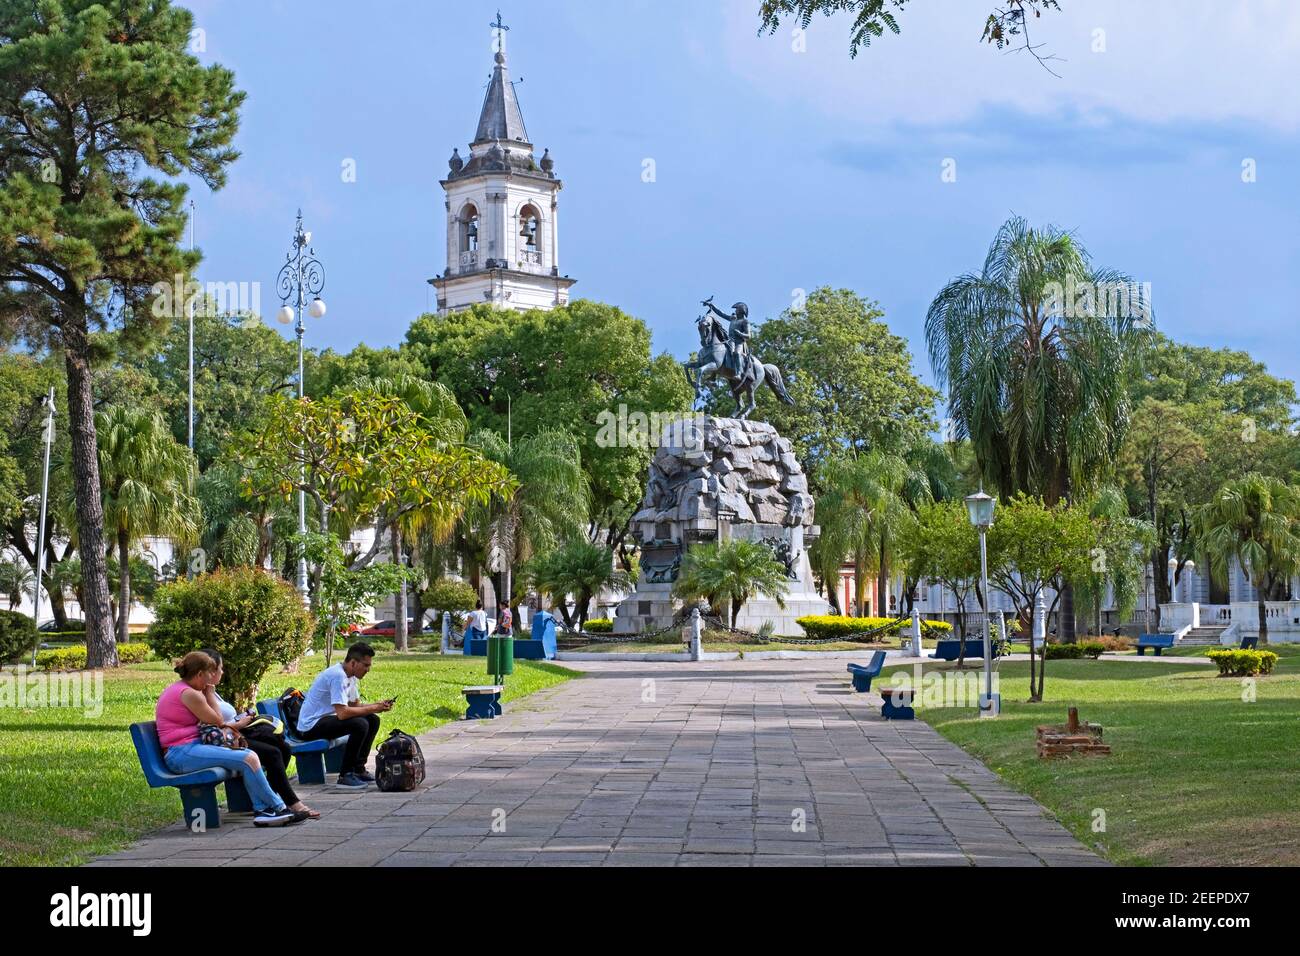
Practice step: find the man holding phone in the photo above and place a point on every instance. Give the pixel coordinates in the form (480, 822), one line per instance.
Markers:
(332, 708)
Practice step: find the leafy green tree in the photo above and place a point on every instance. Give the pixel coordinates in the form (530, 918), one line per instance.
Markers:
(944, 548)
(1032, 547)
(253, 618)
(569, 368)
(726, 574)
(1255, 520)
(148, 489)
(1006, 25)
(93, 97)
(1037, 379)
(1117, 562)
(548, 504)
(578, 568)
(851, 379)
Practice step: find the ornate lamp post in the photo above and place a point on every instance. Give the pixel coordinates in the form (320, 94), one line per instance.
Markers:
(301, 276)
(980, 508)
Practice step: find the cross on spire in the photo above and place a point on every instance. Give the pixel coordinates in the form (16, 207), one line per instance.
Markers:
(499, 25)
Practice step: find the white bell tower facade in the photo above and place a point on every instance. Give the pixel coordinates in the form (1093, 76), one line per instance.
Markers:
(503, 239)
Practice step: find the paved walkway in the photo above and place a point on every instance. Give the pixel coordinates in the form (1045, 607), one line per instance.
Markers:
(762, 763)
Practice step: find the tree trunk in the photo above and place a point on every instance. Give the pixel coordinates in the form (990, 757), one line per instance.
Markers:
(1263, 618)
(101, 649)
(1069, 634)
(123, 588)
(882, 584)
(860, 583)
(57, 609)
(399, 599)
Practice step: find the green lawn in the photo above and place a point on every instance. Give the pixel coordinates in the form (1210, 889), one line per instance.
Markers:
(1196, 776)
(71, 786)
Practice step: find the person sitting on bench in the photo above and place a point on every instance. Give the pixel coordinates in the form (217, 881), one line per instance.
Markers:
(332, 708)
(192, 700)
(271, 748)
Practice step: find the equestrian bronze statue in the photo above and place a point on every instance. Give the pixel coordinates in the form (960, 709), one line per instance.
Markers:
(724, 353)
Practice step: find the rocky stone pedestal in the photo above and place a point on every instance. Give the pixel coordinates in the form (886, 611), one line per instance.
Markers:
(720, 477)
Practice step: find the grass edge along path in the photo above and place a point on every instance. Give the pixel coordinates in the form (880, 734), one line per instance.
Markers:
(1198, 775)
(71, 787)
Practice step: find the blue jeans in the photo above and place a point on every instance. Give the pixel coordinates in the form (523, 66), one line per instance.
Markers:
(187, 758)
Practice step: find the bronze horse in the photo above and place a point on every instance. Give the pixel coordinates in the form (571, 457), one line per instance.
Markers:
(711, 362)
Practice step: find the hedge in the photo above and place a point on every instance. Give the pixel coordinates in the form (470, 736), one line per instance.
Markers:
(74, 658)
(17, 635)
(599, 625)
(830, 626)
(1237, 663)
(1074, 652)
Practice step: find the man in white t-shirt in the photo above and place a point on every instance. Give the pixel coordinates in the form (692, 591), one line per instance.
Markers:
(478, 620)
(332, 708)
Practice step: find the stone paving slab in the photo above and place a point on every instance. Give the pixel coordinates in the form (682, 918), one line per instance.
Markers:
(738, 763)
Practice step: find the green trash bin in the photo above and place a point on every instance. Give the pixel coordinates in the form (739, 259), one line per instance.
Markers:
(500, 655)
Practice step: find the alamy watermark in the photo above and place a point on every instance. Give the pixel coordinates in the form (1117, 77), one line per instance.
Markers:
(179, 297)
(625, 429)
(1112, 300)
(24, 689)
(935, 689)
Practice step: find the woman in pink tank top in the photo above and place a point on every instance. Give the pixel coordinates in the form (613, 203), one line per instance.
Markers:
(187, 703)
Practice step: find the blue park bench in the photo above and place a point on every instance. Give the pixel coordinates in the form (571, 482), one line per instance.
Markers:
(198, 789)
(1249, 644)
(314, 757)
(1156, 642)
(949, 650)
(862, 674)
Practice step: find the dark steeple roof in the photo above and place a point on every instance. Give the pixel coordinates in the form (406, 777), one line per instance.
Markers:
(501, 118)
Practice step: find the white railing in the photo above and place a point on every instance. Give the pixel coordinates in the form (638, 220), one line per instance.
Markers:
(469, 259)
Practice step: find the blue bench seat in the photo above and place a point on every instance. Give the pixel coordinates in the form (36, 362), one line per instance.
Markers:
(314, 757)
(1249, 644)
(198, 790)
(1157, 642)
(862, 675)
(950, 649)
(896, 703)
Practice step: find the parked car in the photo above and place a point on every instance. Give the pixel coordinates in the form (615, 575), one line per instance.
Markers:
(389, 628)
(52, 627)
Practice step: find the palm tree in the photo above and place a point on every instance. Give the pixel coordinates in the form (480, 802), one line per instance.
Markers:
(15, 580)
(148, 488)
(733, 572)
(549, 505)
(1120, 548)
(1256, 520)
(1036, 380)
(580, 568)
(861, 510)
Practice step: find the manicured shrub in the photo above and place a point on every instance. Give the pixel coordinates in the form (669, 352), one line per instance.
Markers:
(74, 658)
(17, 635)
(253, 618)
(599, 625)
(830, 626)
(448, 594)
(1074, 652)
(1239, 663)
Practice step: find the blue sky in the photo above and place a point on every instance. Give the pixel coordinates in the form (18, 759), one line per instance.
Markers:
(777, 169)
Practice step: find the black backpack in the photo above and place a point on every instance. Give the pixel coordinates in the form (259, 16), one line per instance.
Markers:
(399, 763)
(290, 707)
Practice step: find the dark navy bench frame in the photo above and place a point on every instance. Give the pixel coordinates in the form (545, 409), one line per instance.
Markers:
(315, 758)
(862, 675)
(1157, 642)
(198, 790)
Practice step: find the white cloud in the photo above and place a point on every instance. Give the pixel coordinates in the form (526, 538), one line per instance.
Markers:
(1165, 60)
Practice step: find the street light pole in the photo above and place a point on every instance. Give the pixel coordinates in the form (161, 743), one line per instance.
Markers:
(302, 275)
(980, 508)
(40, 529)
(190, 310)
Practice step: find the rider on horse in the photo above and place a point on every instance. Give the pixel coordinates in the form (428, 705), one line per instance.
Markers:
(737, 339)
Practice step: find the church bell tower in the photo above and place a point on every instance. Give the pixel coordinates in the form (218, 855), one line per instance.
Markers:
(502, 232)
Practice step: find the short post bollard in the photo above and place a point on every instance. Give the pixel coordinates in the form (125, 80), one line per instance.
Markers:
(697, 633)
(446, 632)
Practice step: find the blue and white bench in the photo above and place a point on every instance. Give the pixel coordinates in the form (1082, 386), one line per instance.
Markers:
(198, 790)
(314, 757)
(862, 674)
(1157, 642)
